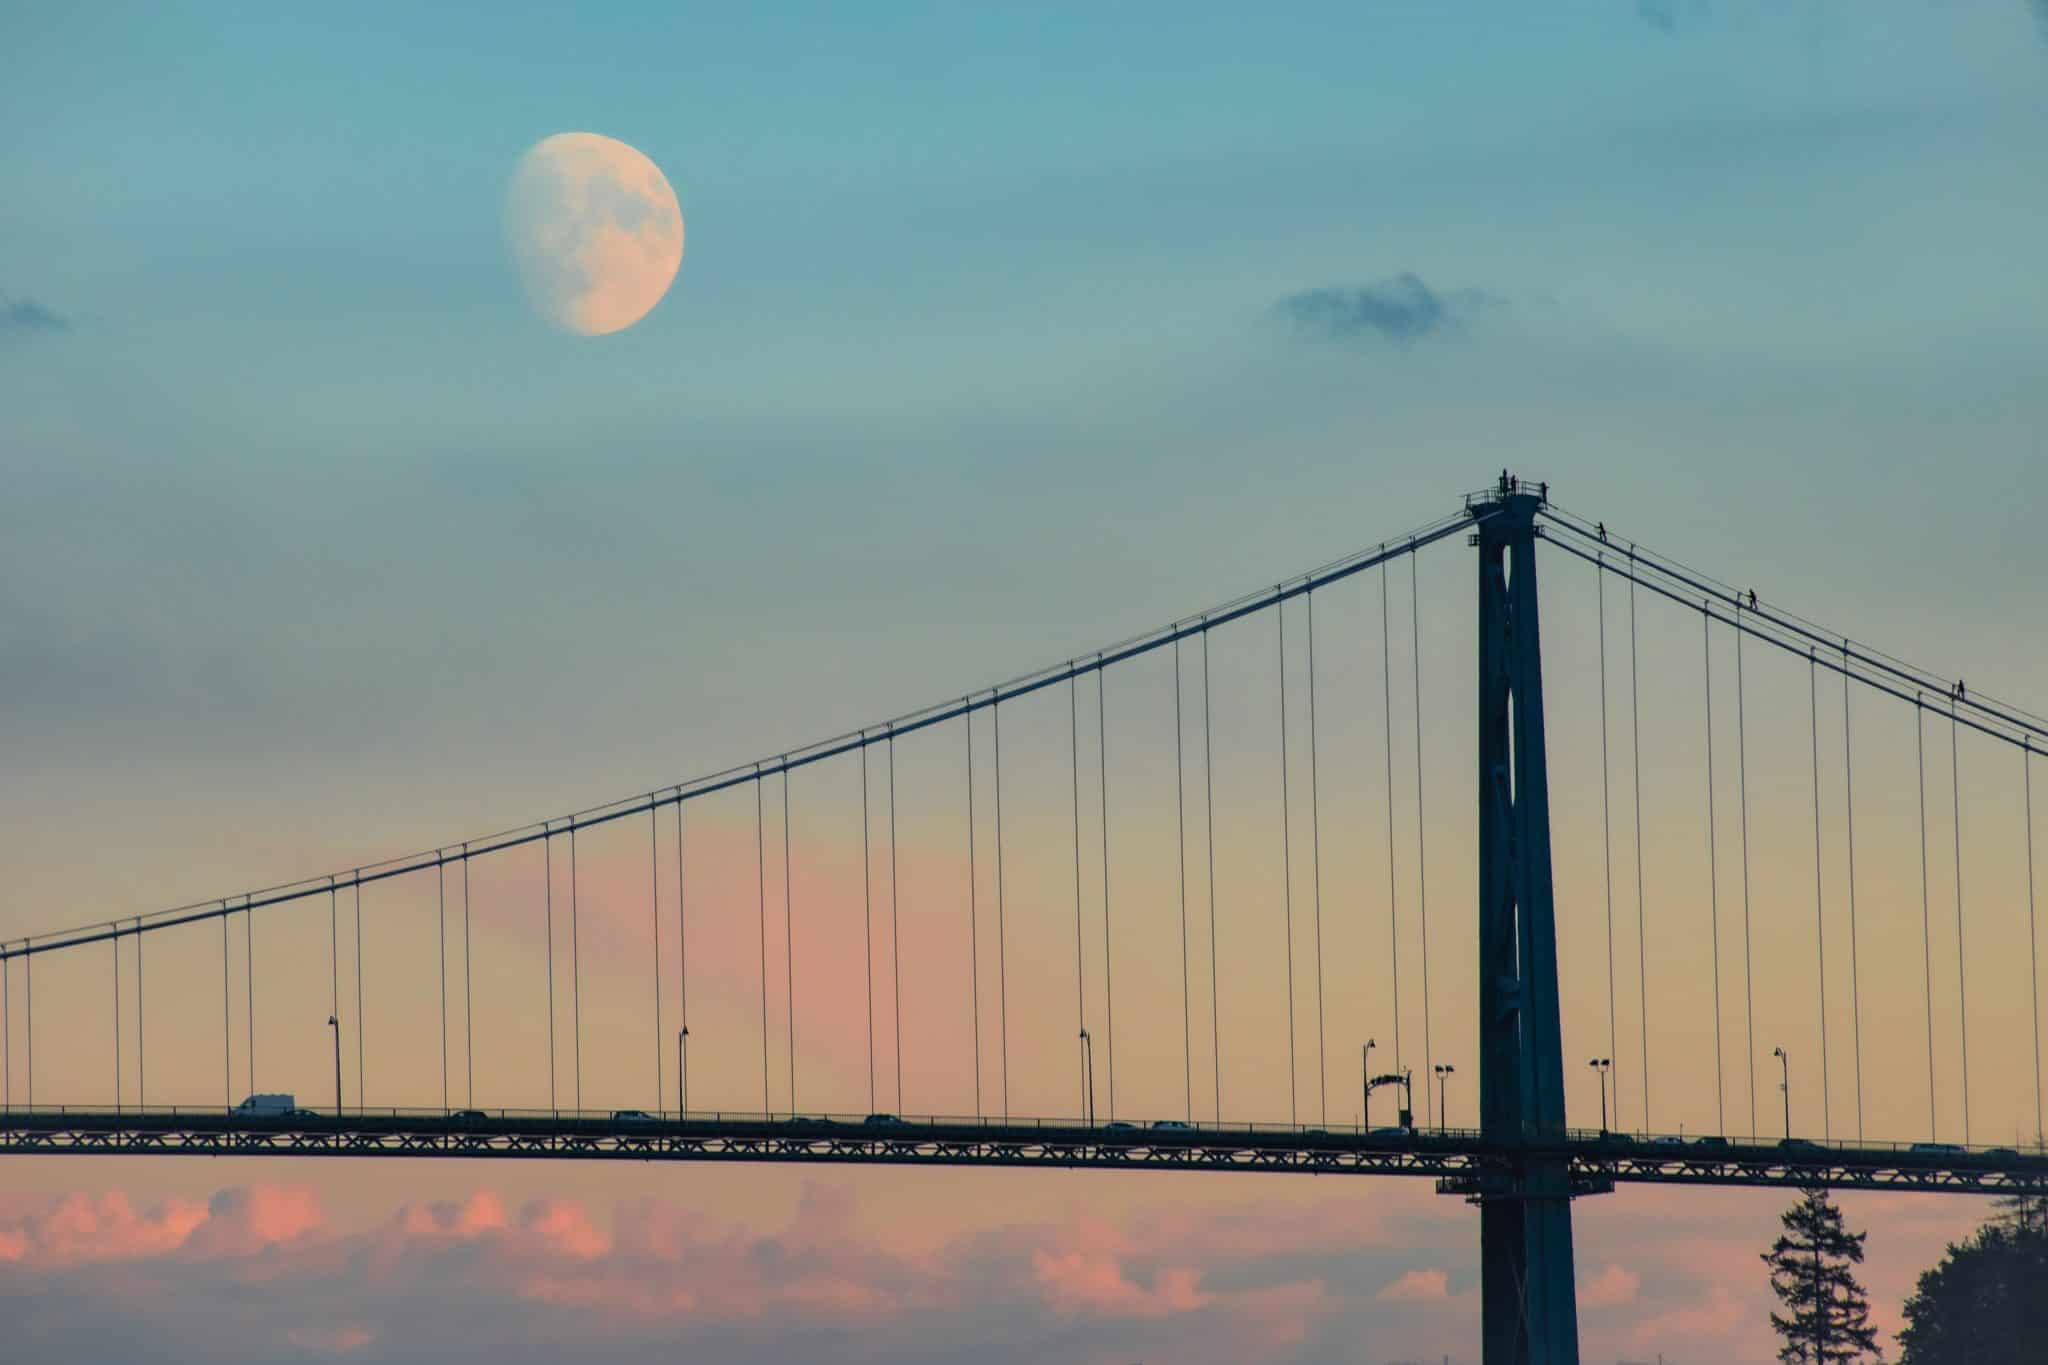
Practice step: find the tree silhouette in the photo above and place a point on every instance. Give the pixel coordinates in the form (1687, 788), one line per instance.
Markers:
(1827, 1314)
(1986, 1303)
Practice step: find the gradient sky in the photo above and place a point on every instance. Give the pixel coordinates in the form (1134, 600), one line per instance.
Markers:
(1000, 336)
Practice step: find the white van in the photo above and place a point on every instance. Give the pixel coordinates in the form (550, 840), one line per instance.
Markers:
(265, 1106)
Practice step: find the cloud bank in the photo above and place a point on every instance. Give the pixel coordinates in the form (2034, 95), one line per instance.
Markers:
(26, 316)
(1402, 310)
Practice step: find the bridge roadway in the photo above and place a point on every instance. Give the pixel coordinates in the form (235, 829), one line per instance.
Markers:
(1461, 1160)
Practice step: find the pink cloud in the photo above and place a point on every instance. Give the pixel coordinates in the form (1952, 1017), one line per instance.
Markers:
(1417, 1286)
(329, 1341)
(1612, 1286)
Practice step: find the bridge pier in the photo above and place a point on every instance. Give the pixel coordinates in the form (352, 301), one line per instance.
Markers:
(1528, 1291)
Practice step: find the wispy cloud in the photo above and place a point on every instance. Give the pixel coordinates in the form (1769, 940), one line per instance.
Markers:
(1403, 310)
(22, 315)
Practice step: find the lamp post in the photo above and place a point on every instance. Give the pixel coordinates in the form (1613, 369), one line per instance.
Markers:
(335, 1024)
(1365, 1082)
(1087, 1079)
(683, 1072)
(1785, 1084)
(1600, 1066)
(1443, 1103)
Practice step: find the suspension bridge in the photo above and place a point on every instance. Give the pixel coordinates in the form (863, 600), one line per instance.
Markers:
(1238, 875)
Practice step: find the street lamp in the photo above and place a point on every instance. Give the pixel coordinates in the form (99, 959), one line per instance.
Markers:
(683, 1072)
(1087, 1079)
(1365, 1080)
(1443, 1103)
(1600, 1066)
(1785, 1084)
(335, 1024)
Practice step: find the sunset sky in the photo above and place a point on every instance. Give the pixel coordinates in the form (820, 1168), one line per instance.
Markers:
(999, 337)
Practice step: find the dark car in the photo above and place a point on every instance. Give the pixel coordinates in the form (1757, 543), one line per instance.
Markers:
(882, 1121)
(468, 1116)
(1172, 1126)
(1119, 1126)
(632, 1116)
(1714, 1141)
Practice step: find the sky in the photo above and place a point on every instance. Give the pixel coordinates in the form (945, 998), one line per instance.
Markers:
(998, 337)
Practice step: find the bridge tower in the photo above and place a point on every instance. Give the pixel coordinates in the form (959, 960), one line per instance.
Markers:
(1528, 1293)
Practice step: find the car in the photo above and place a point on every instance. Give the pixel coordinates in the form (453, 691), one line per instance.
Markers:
(1119, 1126)
(1792, 1144)
(1315, 1132)
(1171, 1126)
(303, 1114)
(1936, 1149)
(2002, 1154)
(272, 1106)
(631, 1116)
(1667, 1140)
(468, 1116)
(1392, 1133)
(882, 1121)
(1714, 1141)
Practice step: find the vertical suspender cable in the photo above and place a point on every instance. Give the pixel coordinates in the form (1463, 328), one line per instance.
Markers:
(248, 952)
(1287, 867)
(6, 1036)
(359, 990)
(1635, 727)
(867, 900)
(1209, 808)
(1080, 956)
(973, 910)
(1606, 813)
(1421, 847)
(1180, 825)
(115, 943)
(468, 1003)
(1315, 844)
(1849, 818)
(334, 970)
(1713, 867)
(895, 926)
(1393, 904)
(1742, 792)
(788, 936)
(654, 913)
(576, 965)
(2033, 930)
(1926, 913)
(441, 904)
(142, 1029)
(1820, 937)
(1002, 929)
(1108, 956)
(1955, 787)
(227, 1037)
(547, 845)
(682, 973)
(654, 907)
(761, 920)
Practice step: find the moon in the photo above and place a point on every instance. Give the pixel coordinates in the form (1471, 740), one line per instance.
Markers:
(595, 230)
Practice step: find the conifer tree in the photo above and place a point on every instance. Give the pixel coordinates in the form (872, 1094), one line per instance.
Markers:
(1827, 1313)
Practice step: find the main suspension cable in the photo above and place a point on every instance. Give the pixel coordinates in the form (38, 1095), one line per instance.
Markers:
(1820, 937)
(1713, 869)
(1287, 874)
(1855, 973)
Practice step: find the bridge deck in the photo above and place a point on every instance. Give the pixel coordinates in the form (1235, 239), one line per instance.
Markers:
(1462, 1160)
